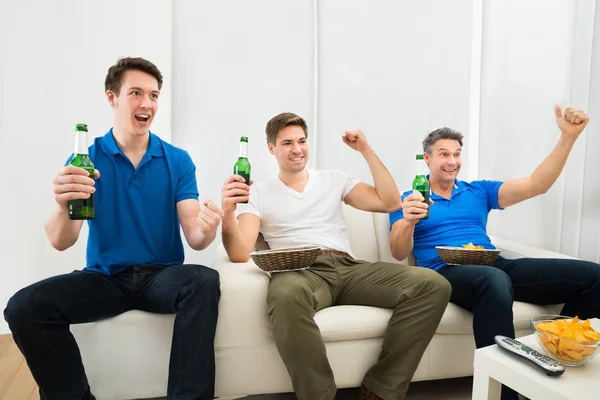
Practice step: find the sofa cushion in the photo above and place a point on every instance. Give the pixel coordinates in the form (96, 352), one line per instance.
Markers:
(458, 321)
(340, 323)
(352, 322)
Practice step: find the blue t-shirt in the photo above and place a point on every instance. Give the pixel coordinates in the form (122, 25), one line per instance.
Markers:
(135, 208)
(460, 220)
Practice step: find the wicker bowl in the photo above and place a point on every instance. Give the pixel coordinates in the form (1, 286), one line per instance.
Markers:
(462, 256)
(288, 259)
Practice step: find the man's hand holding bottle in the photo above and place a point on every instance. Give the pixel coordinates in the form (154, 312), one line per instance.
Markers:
(73, 183)
(234, 190)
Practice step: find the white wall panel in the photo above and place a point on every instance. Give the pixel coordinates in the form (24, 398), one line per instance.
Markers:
(396, 69)
(54, 56)
(236, 64)
(527, 50)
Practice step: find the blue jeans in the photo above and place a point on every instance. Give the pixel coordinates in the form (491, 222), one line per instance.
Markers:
(488, 292)
(39, 317)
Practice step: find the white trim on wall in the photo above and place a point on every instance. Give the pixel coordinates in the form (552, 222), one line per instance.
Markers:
(579, 97)
(315, 124)
(475, 95)
(589, 239)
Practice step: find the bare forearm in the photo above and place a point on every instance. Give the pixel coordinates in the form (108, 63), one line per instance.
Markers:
(550, 169)
(61, 231)
(401, 239)
(384, 183)
(199, 240)
(234, 240)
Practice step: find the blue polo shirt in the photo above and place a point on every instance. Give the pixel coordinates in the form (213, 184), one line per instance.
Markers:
(460, 220)
(135, 208)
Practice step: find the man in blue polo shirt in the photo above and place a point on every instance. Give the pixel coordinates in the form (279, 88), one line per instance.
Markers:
(134, 252)
(459, 212)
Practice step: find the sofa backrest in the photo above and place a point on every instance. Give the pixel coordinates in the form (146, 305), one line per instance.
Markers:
(369, 235)
(361, 232)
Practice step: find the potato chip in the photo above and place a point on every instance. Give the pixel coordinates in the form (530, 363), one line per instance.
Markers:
(564, 346)
(471, 246)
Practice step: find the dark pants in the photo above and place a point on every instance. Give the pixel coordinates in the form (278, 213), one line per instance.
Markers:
(488, 292)
(39, 317)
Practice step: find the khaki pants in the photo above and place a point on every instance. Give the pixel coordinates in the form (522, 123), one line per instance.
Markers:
(418, 296)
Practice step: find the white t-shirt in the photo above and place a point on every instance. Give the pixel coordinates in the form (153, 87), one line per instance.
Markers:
(313, 217)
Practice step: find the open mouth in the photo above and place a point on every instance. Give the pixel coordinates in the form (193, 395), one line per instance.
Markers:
(295, 159)
(142, 117)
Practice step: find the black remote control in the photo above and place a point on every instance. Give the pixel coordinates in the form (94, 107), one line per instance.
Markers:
(550, 366)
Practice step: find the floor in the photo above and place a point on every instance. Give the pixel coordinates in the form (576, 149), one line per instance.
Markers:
(16, 382)
(447, 389)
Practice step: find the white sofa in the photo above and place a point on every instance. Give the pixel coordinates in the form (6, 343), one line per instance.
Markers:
(126, 357)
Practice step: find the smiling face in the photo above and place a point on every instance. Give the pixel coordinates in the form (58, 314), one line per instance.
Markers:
(290, 149)
(444, 160)
(136, 103)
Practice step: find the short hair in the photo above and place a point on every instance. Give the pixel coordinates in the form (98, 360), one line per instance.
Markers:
(114, 77)
(441, 133)
(281, 121)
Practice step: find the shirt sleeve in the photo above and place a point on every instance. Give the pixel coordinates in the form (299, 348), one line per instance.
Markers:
(69, 159)
(491, 189)
(349, 182)
(187, 187)
(399, 214)
(253, 205)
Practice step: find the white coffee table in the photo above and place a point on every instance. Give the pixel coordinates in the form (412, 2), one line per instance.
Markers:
(494, 366)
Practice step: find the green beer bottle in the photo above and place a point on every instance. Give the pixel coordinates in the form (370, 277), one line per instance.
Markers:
(242, 166)
(421, 184)
(82, 208)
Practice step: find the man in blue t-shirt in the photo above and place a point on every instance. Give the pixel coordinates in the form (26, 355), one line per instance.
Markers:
(134, 252)
(458, 216)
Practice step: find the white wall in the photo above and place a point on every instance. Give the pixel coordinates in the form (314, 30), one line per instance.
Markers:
(396, 69)
(53, 59)
(537, 54)
(236, 64)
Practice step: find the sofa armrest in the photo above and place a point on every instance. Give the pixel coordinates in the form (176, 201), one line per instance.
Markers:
(243, 319)
(511, 249)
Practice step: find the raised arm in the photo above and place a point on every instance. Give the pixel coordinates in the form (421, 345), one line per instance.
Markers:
(384, 196)
(571, 124)
(71, 183)
(239, 237)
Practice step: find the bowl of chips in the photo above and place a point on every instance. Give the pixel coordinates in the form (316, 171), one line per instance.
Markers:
(569, 340)
(468, 254)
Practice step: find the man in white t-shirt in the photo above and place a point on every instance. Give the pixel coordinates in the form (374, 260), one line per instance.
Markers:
(299, 208)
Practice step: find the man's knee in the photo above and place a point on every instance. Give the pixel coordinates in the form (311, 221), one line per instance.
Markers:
(436, 283)
(206, 279)
(590, 270)
(210, 277)
(19, 308)
(197, 275)
(495, 284)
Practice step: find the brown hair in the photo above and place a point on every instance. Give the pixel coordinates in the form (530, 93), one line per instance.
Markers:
(281, 121)
(115, 73)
